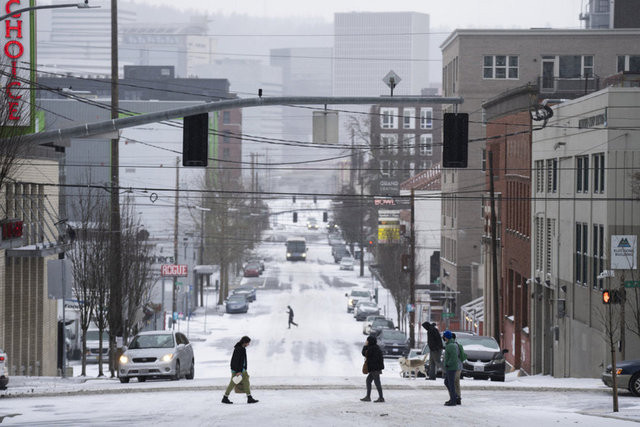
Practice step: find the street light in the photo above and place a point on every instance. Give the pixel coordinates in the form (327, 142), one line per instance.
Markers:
(82, 5)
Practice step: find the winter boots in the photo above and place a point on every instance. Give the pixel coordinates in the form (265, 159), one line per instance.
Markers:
(366, 399)
(379, 400)
(225, 399)
(251, 399)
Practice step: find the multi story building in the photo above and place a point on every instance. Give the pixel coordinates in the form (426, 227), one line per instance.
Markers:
(404, 141)
(370, 44)
(585, 165)
(611, 14)
(477, 66)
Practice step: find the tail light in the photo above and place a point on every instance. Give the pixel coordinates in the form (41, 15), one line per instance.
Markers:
(1, 358)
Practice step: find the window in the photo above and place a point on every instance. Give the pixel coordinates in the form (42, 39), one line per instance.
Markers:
(424, 164)
(426, 144)
(552, 175)
(550, 233)
(575, 66)
(598, 173)
(539, 176)
(226, 117)
(598, 254)
(389, 118)
(484, 160)
(225, 153)
(385, 167)
(582, 242)
(500, 67)
(389, 142)
(601, 6)
(409, 143)
(426, 118)
(582, 174)
(629, 63)
(225, 138)
(539, 246)
(408, 118)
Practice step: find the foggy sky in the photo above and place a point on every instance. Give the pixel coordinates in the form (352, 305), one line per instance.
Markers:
(447, 13)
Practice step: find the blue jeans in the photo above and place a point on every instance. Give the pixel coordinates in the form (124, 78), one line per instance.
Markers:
(450, 383)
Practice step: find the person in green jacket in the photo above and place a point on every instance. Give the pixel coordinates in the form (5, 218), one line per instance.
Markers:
(462, 356)
(451, 365)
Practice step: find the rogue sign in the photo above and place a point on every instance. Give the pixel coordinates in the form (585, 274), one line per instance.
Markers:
(179, 270)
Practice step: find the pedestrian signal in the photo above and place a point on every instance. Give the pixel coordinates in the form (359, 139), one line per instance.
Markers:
(325, 217)
(606, 296)
(195, 136)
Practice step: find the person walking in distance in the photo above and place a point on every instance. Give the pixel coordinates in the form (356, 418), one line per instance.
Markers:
(291, 322)
(239, 368)
(451, 364)
(434, 342)
(375, 365)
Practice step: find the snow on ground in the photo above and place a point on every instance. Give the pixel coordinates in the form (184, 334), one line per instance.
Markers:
(309, 374)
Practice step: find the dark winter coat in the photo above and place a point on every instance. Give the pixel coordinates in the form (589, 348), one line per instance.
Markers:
(239, 358)
(375, 360)
(434, 341)
(290, 313)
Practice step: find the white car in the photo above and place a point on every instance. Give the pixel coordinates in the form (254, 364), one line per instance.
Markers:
(346, 263)
(157, 354)
(366, 326)
(4, 370)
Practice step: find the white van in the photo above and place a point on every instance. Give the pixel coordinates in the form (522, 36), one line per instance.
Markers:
(93, 345)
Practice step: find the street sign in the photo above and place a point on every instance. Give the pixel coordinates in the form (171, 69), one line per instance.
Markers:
(624, 250)
(448, 315)
(177, 270)
(391, 79)
(632, 284)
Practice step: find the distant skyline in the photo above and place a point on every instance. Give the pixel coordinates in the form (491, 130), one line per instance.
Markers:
(449, 14)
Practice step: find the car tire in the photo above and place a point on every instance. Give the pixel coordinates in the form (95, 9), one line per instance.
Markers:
(634, 384)
(176, 376)
(192, 371)
(124, 380)
(142, 379)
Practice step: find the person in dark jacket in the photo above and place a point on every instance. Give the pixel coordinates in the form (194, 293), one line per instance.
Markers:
(239, 367)
(434, 342)
(291, 322)
(375, 365)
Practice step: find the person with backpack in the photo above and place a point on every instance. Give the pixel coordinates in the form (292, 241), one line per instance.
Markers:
(462, 356)
(374, 365)
(239, 369)
(451, 365)
(434, 342)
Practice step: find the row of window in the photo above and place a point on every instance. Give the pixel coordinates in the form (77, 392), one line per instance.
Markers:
(582, 255)
(589, 174)
(518, 207)
(545, 230)
(407, 144)
(389, 118)
(391, 168)
(560, 66)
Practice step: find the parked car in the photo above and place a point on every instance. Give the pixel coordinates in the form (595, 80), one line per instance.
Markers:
(93, 345)
(484, 358)
(364, 309)
(627, 376)
(257, 261)
(355, 296)
(379, 324)
(249, 292)
(252, 270)
(346, 263)
(4, 370)
(157, 354)
(339, 252)
(393, 343)
(366, 326)
(237, 304)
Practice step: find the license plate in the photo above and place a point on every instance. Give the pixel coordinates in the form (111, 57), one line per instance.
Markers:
(395, 350)
(478, 368)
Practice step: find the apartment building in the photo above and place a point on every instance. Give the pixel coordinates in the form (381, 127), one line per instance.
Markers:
(584, 163)
(481, 64)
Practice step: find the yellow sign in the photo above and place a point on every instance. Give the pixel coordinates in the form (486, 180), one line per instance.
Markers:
(388, 233)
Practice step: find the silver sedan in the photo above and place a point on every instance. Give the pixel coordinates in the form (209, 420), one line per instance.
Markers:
(157, 354)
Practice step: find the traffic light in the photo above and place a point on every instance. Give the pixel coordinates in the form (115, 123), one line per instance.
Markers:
(371, 243)
(295, 217)
(325, 217)
(293, 198)
(456, 140)
(315, 199)
(613, 296)
(606, 296)
(406, 262)
(195, 136)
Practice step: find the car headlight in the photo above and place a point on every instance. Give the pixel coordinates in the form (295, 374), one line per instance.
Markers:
(304, 255)
(498, 361)
(124, 359)
(167, 357)
(288, 253)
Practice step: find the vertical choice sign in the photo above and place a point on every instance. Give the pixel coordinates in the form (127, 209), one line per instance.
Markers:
(18, 61)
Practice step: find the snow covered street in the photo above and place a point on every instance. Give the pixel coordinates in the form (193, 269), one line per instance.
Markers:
(309, 375)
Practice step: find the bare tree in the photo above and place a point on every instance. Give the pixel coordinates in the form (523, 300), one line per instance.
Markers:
(607, 315)
(388, 257)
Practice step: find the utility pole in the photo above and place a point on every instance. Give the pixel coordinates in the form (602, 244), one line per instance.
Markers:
(622, 292)
(412, 274)
(494, 254)
(115, 284)
(174, 306)
(361, 227)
